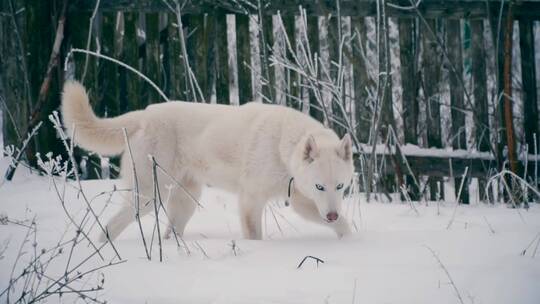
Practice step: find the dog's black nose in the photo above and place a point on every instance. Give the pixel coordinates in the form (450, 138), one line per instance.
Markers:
(332, 216)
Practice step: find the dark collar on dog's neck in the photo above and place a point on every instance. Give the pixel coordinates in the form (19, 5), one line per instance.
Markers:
(289, 191)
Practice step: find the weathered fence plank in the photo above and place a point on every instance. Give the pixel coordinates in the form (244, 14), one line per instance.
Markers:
(15, 98)
(431, 70)
(200, 53)
(131, 57)
(266, 48)
(408, 53)
(528, 76)
(497, 32)
(243, 58)
(153, 61)
(479, 90)
(315, 109)
(334, 36)
(408, 66)
(291, 77)
(108, 73)
(459, 135)
(479, 87)
(360, 79)
(222, 59)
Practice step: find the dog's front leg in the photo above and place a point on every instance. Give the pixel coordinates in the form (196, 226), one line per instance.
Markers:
(307, 209)
(251, 207)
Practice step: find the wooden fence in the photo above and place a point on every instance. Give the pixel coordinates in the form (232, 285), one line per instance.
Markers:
(145, 34)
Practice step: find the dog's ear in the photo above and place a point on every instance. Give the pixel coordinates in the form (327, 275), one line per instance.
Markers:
(345, 148)
(311, 150)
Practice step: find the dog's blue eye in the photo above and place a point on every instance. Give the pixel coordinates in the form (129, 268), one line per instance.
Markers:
(319, 187)
(339, 187)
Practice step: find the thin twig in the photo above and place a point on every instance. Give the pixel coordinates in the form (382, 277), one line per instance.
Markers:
(136, 196)
(138, 73)
(436, 256)
(318, 260)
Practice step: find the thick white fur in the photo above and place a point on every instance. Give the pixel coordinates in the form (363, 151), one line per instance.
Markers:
(252, 150)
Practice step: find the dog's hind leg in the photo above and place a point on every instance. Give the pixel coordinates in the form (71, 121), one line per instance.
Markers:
(182, 205)
(251, 209)
(123, 218)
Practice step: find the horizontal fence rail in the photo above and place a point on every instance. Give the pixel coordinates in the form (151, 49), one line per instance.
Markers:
(358, 8)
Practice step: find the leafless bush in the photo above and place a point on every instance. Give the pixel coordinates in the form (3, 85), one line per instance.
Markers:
(33, 278)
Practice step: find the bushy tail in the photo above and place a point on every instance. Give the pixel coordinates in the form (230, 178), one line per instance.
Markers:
(101, 135)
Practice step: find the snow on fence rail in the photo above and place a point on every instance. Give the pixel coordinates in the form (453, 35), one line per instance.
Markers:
(443, 48)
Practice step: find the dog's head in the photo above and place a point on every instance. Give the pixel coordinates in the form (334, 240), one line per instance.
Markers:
(326, 170)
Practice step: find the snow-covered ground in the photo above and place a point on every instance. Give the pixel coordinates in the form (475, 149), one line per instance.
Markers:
(387, 260)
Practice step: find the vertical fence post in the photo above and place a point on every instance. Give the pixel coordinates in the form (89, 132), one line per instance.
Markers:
(431, 70)
(333, 38)
(266, 50)
(197, 48)
(178, 73)
(108, 77)
(528, 76)
(361, 80)
(408, 60)
(40, 18)
(108, 72)
(479, 83)
(153, 68)
(292, 79)
(222, 59)
(459, 135)
(131, 57)
(243, 51)
(497, 30)
(12, 89)
(209, 58)
(314, 46)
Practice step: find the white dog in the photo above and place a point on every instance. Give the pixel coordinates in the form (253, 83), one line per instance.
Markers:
(254, 150)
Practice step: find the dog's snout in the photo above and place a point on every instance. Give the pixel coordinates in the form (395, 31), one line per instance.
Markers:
(332, 216)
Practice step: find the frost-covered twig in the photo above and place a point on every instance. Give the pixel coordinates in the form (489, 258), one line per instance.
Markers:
(536, 238)
(186, 191)
(535, 160)
(136, 197)
(35, 283)
(463, 178)
(489, 225)
(138, 73)
(69, 149)
(157, 198)
(502, 177)
(89, 38)
(405, 193)
(436, 256)
(10, 116)
(190, 79)
(13, 165)
(318, 260)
